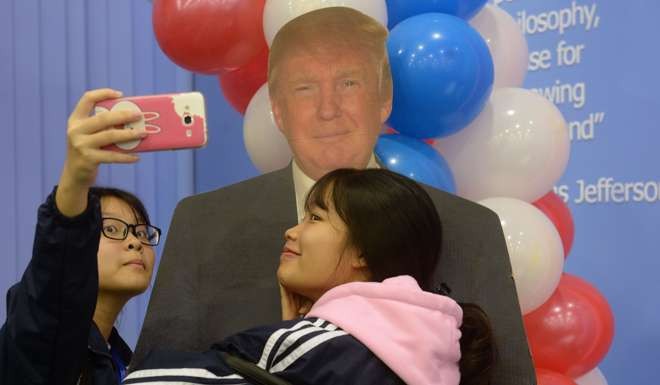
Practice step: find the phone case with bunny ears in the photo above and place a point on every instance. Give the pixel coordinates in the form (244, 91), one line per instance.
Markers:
(172, 121)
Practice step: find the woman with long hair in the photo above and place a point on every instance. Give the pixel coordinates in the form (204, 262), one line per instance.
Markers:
(358, 302)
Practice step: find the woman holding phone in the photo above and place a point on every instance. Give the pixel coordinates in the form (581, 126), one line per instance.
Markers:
(93, 251)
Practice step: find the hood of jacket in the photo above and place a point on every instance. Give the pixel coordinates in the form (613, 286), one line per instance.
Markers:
(414, 332)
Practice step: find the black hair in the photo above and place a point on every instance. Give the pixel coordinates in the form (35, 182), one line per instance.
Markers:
(390, 220)
(393, 223)
(136, 205)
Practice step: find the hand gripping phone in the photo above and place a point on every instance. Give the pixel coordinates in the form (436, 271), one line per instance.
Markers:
(172, 121)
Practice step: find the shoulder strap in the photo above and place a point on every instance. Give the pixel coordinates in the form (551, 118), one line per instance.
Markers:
(251, 371)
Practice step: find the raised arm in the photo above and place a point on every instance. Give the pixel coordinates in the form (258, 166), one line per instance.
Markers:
(49, 312)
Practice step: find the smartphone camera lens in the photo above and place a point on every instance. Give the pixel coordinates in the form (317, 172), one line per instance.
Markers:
(187, 120)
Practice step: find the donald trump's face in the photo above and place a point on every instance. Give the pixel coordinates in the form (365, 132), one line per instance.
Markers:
(329, 106)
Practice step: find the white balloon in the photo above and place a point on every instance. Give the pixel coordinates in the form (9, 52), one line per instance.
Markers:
(279, 12)
(506, 43)
(594, 377)
(535, 250)
(265, 144)
(517, 147)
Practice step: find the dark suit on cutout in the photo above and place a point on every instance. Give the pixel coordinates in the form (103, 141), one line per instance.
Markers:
(217, 274)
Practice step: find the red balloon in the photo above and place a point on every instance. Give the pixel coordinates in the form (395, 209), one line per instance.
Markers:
(548, 377)
(390, 130)
(572, 331)
(240, 85)
(209, 36)
(555, 209)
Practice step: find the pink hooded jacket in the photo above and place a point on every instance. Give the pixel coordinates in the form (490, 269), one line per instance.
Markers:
(415, 333)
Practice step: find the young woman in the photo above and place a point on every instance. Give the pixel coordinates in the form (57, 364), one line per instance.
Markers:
(93, 251)
(358, 269)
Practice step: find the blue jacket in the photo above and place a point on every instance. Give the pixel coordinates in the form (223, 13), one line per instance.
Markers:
(308, 351)
(49, 336)
(365, 333)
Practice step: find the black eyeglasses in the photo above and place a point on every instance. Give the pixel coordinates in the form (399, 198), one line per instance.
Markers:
(115, 228)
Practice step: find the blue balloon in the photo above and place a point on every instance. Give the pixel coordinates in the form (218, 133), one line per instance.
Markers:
(399, 10)
(416, 160)
(442, 73)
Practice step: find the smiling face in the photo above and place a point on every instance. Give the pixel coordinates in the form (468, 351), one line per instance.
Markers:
(317, 257)
(125, 267)
(327, 103)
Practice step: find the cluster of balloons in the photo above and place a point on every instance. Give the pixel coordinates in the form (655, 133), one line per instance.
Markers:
(231, 39)
(506, 147)
(460, 122)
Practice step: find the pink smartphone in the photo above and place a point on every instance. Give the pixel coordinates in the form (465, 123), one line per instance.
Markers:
(172, 121)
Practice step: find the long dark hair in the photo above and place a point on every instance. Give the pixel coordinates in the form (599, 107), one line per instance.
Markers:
(393, 222)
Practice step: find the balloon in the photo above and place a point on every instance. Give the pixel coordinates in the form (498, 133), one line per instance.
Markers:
(573, 330)
(414, 159)
(554, 208)
(594, 377)
(442, 73)
(209, 36)
(240, 85)
(535, 250)
(265, 144)
(548, 377)
(279, 12)
(518, 147)
(398, 10)
(506, 43)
